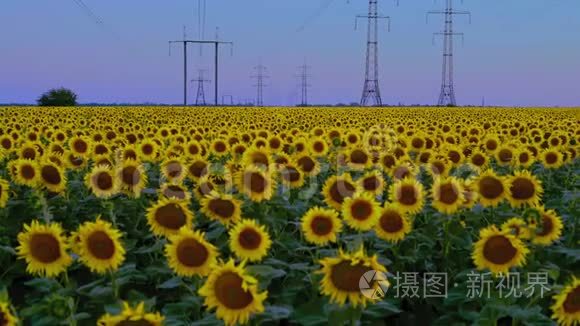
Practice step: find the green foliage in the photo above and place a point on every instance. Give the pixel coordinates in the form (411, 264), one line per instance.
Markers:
(58, 97)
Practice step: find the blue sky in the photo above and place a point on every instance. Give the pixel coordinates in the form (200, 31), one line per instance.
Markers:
(516, 52)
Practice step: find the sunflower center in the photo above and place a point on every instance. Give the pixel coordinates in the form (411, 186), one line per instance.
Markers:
(130, 175)
(448, 194)
(522, 188)
(3, 319)
(491, 144)
(174, 191)
(104, 181)
(359, 157)
(407, 195)
(391, 222)
(524, 157)
(551, 158)
(306, 163)
(291, 174)
(249, 239)
(198, 169)
(417, 142)
(388, 161)
(341, 190)
(173, 169)
(44, 247)
(499, 250)
(318, 147)
(572, 303)
(321, 225)
(257, 182)
(437, 167)
(51, 175)
(80, 146)
(229, 291)
(220, 147)
(478, 160)
(401, 172)
(101, 149)
(361, 210)
(101, 245)
(147, 149)
(222, 207)
(371, 183)
(505, 155)
(346, 276)
(192, 253)
(138, 322)
(29, 153)
(490, 187)
(27, 172)
(454, 157)
(547, 226)
(170, 216)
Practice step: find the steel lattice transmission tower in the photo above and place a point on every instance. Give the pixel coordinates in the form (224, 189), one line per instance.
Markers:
(200, 98)
(447, 94)
(371, 94)
(260, 76)
(303, 75)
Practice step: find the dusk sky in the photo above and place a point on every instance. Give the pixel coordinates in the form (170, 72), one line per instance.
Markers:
(516, 52)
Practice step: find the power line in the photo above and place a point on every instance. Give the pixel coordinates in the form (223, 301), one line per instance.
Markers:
(96, 19)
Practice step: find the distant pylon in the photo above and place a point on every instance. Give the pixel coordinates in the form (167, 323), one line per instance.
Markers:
(447, 94)
(200, 98)
(260, 76)
(304, 83)
(371, 94)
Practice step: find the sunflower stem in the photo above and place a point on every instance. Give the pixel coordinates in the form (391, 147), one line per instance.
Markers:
(114, 285)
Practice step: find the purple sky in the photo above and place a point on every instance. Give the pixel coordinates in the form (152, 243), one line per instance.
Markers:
(516, 52)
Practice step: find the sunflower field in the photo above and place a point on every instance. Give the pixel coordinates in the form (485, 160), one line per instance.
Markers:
(289, 216)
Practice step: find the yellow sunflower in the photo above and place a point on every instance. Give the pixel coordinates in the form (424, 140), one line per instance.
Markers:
(321, 225)
(337, 188)
(550, 229)
(393, 224)
(498, 251)
(517, 227)
(470, 195)
(132, 316)
(408, 193)
(4, 189)
(249, 240)
(358, 159)
(26, 172)
(80, 146)
(524, 188)
(131, 177)
(232, 293)
(566, 308)
(308, 165)
(343, 273)
(372, 182)
(221, 207)
(258, 156)
(361, 212)
(173, 170)
(197, 168)
(167, 216)
(551, 158)
(491, 188)
(7, 317)
(101, 180)
(44, 248)
(291, 176)
(448, 195)
(318, 147)
(52, 177)
(147, 150)
(99, 246)
(189, 253)
(256, 183)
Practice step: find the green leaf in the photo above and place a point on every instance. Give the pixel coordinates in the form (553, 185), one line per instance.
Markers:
(171, 283)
